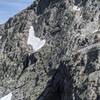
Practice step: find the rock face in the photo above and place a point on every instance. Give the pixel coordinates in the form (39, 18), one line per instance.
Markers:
(67, 67)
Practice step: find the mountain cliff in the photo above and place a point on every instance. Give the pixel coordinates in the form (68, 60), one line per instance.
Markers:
(51, 51)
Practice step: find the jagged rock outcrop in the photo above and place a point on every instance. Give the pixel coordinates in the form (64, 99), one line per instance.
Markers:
(67, 67)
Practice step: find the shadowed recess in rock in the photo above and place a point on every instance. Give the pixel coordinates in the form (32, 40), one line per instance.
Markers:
(98, 97)
(92, 56)
(80, 2)
(43, 4)
(28, 60)
(60, 86)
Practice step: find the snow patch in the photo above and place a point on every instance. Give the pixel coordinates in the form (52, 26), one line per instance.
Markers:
(0, 37)
(34, 41)
(76, 8)
(7, 97)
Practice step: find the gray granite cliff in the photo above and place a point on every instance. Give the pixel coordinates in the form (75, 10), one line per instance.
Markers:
(67, 67)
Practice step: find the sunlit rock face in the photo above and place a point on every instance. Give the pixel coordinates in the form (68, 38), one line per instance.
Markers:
(51, 51)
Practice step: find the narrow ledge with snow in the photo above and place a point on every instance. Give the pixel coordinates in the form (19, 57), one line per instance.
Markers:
(34, 41)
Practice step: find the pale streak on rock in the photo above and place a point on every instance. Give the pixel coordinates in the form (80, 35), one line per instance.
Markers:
(7, 97)
(87, 48)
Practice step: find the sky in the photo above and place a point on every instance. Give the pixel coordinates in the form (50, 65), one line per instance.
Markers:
(9, 8)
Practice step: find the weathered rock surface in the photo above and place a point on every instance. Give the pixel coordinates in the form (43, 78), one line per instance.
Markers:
(67, 67)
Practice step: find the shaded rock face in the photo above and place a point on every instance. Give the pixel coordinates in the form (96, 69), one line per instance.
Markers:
(67, 67)
(57, 86)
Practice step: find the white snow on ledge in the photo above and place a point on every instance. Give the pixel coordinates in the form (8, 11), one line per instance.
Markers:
(7, 97)
(76, 8)
(34, 41)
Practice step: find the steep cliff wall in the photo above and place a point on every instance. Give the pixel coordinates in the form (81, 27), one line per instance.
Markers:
(67, 66)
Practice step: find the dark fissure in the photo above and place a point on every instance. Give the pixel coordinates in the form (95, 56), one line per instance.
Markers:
(60, 86)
